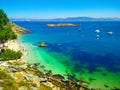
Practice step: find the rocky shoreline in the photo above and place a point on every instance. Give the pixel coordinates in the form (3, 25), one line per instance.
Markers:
(17, 29)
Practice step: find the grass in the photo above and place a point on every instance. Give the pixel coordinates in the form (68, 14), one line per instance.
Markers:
(44, 87)
(10, 84)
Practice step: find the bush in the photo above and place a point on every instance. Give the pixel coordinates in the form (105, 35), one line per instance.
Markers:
(8, 54)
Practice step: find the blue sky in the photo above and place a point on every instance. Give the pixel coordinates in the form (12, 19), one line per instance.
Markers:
(60, 8)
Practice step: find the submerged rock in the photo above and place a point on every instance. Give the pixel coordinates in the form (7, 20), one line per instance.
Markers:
(58, 76)
(106, 86)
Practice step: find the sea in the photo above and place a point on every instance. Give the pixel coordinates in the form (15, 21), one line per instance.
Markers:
(76, 50)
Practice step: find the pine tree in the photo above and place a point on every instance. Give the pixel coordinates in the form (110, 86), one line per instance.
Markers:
(3, 19)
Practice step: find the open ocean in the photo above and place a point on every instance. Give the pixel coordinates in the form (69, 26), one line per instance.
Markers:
(81, 53)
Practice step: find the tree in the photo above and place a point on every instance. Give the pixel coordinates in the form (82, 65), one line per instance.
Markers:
(3, 19)
(7, 34)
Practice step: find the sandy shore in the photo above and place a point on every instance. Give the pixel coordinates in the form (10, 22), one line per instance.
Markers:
(16, 46)
(13, 45)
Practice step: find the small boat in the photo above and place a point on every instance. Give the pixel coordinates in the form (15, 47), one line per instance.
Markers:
(110, 33)
(97, 31)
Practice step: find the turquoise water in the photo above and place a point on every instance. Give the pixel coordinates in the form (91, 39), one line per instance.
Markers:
(78, 52)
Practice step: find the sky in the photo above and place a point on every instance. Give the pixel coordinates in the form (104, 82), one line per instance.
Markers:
(47, 9)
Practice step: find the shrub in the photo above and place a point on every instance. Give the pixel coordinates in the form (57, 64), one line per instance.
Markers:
(10, 55)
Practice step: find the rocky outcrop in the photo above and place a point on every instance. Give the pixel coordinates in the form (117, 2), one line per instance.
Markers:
(43, 44)
(17, 29)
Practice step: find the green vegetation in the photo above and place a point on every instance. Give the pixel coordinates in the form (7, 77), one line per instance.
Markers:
(10, 55)
(10, 85)
(8, 82)
(5, 32)
(3, 19)
(4, 75)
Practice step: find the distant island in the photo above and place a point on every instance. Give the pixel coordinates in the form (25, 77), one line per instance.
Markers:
(61, 25)
(68, 19)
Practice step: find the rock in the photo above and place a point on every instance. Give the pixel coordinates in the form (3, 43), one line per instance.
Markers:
(58, 76)
(85, 86)
(43, 79)
(14, 68)
(43, 44)
(81, 88)
(1, 81)
(1, 88)
(106, 86)
(82, 80)
(28, 77)
(36, 82)
(23, 88)
(91, 79)
(19, 75)
(48, 84)
(56, 88)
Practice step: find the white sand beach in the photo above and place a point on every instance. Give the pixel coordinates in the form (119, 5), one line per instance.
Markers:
(13, 45)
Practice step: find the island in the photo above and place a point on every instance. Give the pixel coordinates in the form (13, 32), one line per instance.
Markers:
(61, 25)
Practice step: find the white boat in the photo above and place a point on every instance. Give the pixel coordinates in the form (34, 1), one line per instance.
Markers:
(110, 33)
(97, 31)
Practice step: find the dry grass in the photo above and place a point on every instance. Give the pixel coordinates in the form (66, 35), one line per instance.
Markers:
(44, 87)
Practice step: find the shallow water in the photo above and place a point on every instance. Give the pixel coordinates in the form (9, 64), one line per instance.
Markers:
(78, 52)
